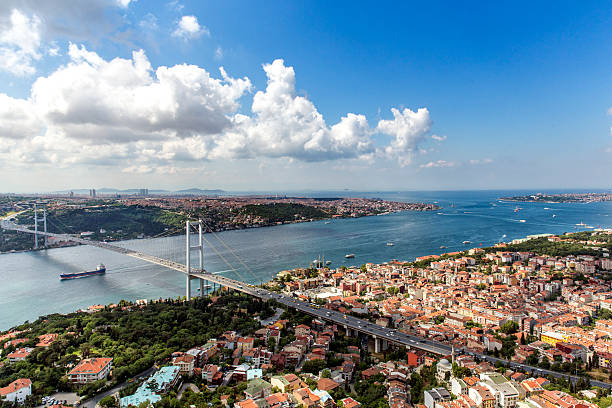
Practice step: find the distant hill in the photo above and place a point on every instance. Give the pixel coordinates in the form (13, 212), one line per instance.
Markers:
(198, 191)
(110, 190)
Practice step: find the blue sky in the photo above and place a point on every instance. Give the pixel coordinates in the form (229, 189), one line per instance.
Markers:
(512, 95)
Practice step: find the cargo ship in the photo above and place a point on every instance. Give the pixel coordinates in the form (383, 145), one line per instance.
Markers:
(100, 270)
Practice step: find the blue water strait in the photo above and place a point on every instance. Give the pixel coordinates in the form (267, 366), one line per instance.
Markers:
(30, 284)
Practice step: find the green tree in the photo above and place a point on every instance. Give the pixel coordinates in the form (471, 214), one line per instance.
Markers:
(392, 290)
(509, 327)
(271, 344)
(108, 402)
(439, 319)
(313, 366)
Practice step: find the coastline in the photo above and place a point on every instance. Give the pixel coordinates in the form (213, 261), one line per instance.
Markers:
(426, 207)
(567, 198)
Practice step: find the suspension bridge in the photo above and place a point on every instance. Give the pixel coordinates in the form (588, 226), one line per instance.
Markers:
(383, 337)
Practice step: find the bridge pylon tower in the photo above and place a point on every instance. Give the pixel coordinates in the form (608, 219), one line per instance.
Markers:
(36, 221)
(188, 249)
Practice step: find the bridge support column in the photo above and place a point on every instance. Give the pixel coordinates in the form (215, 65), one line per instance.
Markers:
(188, 259)
(35, 226)
(376, 345)
(188, 248)
(188, 288)
(201, 256)
(45, 225)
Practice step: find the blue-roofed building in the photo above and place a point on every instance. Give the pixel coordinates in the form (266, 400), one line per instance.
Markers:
(165, 378)
(326, 399)
(254, 373)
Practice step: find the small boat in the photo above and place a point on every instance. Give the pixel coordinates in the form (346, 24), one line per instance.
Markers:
(100, 270)
(546, 208)
(522, 221)
(389, 243)
(442, 246)
(582, 224)
(467, 242)
(554, 215)
(516, 209)
(348, 256)
(327, 263)
(327, 222)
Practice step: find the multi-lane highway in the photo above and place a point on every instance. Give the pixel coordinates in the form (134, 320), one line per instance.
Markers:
(390, 335)
(349, 322)
(379, 333)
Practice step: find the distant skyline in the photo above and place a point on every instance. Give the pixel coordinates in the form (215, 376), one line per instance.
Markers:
(284, 96)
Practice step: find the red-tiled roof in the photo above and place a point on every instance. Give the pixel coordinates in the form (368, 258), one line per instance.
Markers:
(90, 366)
(15, 386)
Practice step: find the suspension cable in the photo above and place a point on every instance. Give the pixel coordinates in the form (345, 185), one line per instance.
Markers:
(253, 275)
(232, 268)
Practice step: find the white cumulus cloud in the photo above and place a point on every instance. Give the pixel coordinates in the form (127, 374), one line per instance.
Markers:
(439, 163)
(189, 28)
(287, 125)
(409, 129)
(125, 100)
(17, 118)
(20, 43)
(123, 112)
